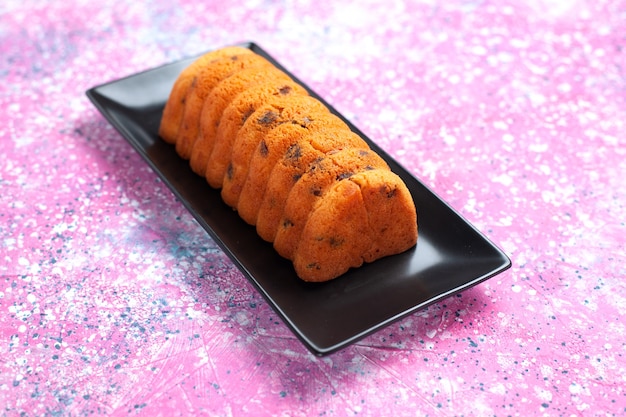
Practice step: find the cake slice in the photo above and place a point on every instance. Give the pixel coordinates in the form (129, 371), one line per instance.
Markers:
(312, 186)
(359, 219)
(285, 174)
(175, 105)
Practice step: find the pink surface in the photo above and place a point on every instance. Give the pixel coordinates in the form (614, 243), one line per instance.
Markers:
(114, 301)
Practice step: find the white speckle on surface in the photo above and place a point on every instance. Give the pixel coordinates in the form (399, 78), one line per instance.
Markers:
(545, 169)
(448, 138)
(503, 179)
(564, 87)
(454, 79)
(538, 147)
(498, 389)
(506, 221)
(543, 394)
(575, 389)
(500, 125)
(479, 50)
(537, 99)
(387, 115)
(519, 43)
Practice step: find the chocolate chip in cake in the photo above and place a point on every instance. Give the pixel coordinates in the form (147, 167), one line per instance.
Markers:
(263, 148)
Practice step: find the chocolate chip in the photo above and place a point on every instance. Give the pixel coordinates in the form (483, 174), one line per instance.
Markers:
(268, 118)
(335, 242)
(388, 191)
(247, 114)
(304, 122)
(229, 172)
(263, 148)
(344, 175)
(284, 90)
(317, 164)
(294, 152)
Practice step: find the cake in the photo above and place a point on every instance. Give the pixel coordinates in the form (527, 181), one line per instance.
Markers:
(287, 165)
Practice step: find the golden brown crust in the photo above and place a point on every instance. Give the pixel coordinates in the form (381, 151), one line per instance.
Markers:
(391, 213)
(335, 236)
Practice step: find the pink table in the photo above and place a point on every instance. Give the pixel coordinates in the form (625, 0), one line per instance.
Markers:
(114, 301)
